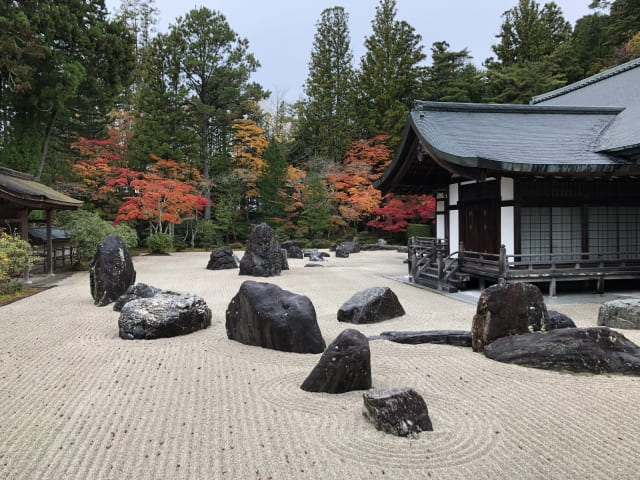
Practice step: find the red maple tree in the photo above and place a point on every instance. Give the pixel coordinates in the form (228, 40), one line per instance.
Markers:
(399, 211)
(159, 195)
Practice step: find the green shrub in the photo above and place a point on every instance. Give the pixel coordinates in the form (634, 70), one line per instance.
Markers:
(419, 230)
(159, 243)
(87, 230)
(128, 234)
(320, 243)
(179, 244)
(208, 235)
(15, 255)
(236, 246)
(9, 288)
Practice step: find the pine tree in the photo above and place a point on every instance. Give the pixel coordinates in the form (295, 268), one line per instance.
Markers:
(452, 77)
(391, 75)
(326, 117)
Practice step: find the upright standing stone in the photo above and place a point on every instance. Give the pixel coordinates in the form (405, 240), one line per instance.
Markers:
(111, 271)
(507, 309)
(263, 256)
(344, 366)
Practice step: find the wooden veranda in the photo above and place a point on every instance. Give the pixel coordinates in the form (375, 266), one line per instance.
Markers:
(430, 266)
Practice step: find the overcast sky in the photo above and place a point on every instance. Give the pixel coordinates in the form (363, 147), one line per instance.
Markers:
(280, 32)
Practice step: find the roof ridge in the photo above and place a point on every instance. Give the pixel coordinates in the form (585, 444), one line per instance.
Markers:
(630, 65)
(420, 105)
(16, 173)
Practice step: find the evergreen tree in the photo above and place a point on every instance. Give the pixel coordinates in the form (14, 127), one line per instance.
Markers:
(590, 43)
(64, 65)
(534, 54)
(272, 182)
(326, 117)
(316, 216)
(452, 77)
(391, 75)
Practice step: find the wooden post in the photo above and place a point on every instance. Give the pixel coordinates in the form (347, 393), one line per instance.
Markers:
(440, 270)
(601, 285)
(502, 265)
(24, 235)
(50, 256)
(552, 287)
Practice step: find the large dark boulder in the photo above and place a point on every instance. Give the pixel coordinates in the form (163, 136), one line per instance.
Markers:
(262, 257)
(166, 314)
(398, 411)
(507, 309)
(372, 305)
(558, 320)
(620, 313)
(459, 338)
(342, 252)
(293, 248)
(350, 247)
(344, 366)
(593, 350)
(222, 258)
(135, 291)
(110, 270)
(265, 315)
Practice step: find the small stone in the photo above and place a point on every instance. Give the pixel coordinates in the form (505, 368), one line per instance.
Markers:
(398, 411)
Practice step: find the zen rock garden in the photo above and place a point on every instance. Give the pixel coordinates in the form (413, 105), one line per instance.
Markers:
(511, 325)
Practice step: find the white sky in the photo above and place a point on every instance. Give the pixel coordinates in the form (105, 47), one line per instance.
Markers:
(280, 32)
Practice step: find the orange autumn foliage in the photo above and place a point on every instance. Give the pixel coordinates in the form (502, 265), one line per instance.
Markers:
(160, 195)
(351, 186)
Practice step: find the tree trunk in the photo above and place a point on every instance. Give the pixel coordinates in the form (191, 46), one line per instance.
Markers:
(45, 145)
(205, 165)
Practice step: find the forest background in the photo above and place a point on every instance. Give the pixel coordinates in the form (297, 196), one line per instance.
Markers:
(166, 132)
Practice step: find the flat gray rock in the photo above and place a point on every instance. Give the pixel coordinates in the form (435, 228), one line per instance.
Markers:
(458, 338)
(621, 313)
(592, 350)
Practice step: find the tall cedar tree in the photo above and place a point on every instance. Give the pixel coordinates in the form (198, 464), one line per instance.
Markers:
(391, 75)
(534, 54)
(271, 184)
(452, 77)
(62, 65)
(316, 215)
(326, 117)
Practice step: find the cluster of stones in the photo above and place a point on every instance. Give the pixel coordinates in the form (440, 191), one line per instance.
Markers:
(146, 312)
(512, 325)
(264, 315)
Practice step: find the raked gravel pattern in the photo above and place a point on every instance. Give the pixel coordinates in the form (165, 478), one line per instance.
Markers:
(77, 402)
